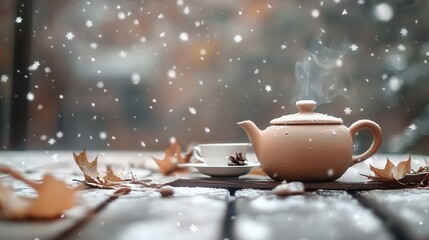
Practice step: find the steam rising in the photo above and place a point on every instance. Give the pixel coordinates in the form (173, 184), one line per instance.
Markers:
(316, 73)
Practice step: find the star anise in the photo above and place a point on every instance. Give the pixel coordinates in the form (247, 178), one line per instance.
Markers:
(238, 160)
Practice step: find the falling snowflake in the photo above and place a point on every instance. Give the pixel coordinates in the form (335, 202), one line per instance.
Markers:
(60, 134)
(268, 88)
(172, 73)
(143, 144)
(315, 13)
(403, 32)
(238, 38)
(206, 129)
(162, 34)
(18, 20)
(47, 69)
(413, 126)
(51, 141)
(193, 228)
(203, 51)
(121, 15)
(102, 135)
(34, 66)
(4, 78)
(122, 54)
(344, 12)
(89, 23)
(395, 83)
(93, 45)
(347, 110)
(383, 12)
(135, 78)
(354, 47)
(186, 10)
(183, 37)
(192, 110)
(401, 47)
(69, 36)
(30, 96)
(55, 157)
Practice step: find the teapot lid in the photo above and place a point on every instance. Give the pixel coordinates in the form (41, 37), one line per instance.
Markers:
(306, 115)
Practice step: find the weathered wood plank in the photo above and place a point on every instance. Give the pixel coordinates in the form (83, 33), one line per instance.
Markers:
(198, 213)
(406, 210)
(48, 229)
(192, 213)
(267, 184)
(315, 215)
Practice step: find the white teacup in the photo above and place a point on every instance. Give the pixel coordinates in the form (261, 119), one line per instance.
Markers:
(219, 153)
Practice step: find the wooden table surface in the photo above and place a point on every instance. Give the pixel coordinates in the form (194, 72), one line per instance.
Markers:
(208, 210)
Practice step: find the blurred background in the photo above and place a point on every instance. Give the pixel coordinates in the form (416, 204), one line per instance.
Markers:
(129, 75)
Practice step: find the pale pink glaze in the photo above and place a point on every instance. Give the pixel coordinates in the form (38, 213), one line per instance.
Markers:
(316, 148)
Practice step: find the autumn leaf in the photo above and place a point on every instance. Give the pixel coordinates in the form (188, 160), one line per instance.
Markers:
(390, 172)
(111, 176)
(89, 169)
(92, 176)
(173, 157)
(111, 180)
(257, 171)
(53, 198)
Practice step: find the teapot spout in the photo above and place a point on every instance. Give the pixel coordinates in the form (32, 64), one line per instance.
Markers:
(254, 134)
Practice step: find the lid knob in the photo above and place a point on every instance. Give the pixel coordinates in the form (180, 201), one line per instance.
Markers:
(306, 106)
(306, 115)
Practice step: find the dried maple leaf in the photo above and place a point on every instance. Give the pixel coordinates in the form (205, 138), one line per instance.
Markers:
(391, 172)
(89, 169)
(111, 176)
(92, 176)
(53, 198)
(173, 156)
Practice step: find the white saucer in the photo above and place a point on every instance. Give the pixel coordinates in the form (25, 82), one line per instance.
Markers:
(221, 170)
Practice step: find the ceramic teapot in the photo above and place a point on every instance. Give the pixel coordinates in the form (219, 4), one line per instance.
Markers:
(308, 146)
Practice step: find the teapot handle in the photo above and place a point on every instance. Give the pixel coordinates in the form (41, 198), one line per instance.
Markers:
(377, 134)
